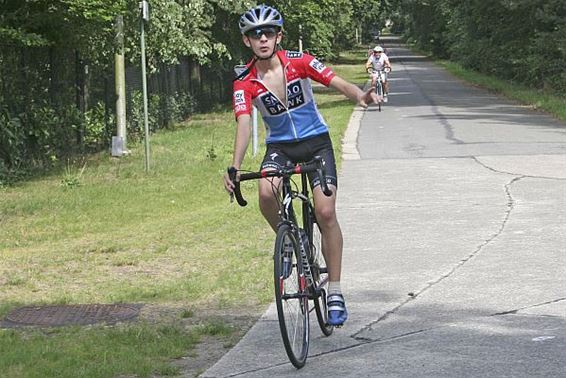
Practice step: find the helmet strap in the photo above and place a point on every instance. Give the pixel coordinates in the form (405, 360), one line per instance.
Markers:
(275, 48)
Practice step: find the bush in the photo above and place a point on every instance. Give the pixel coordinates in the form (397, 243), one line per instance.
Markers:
(11, 140)
(96, 132)
(163, 111)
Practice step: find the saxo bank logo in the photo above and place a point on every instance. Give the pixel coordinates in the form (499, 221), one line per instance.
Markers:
(295, 98)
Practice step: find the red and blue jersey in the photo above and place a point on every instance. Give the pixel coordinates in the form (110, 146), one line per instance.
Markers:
(298, 118)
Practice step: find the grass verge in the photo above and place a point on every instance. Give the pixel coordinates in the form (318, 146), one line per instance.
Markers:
(101, 230)
(537, 99)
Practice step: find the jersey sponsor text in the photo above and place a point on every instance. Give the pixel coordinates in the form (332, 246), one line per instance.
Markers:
(317, 65)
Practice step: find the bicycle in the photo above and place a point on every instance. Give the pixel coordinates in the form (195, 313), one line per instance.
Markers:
(379, 87)
(299, 270)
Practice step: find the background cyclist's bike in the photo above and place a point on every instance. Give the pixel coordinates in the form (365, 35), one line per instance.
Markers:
(299, 270)
(379, 87)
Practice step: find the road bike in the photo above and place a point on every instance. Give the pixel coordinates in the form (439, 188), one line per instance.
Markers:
(379, 87)
(299, 269)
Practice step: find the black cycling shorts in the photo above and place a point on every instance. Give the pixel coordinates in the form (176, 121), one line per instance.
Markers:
(279, 154)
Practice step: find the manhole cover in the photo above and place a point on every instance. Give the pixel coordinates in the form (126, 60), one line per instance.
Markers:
(72, 314)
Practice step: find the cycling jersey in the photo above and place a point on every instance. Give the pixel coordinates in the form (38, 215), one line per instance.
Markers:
(378, 63)
(299, 118)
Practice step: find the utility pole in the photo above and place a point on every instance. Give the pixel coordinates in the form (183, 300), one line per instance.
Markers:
(119, 146)
(144, 13)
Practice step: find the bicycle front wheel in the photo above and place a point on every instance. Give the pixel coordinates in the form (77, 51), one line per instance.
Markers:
(379, 92)
(291, 296)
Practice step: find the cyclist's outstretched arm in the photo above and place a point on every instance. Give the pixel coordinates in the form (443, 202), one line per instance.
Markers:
(353, 92)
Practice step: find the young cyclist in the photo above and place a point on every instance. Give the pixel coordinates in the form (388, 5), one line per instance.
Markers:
(377, 61)
(277, 83)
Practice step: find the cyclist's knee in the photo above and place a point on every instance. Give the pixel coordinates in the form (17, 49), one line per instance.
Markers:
(266, 198)
(326, 214)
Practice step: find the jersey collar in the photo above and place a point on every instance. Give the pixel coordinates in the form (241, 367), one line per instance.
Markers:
(281, 54)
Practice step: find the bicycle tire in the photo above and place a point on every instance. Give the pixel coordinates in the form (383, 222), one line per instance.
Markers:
(379, 92)
(320, 277)
(291, 298)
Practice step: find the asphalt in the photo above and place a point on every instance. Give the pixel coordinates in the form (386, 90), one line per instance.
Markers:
(452, 201)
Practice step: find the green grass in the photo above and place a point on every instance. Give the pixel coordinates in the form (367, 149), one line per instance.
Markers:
(537, 99)
(101, 230)
(138, 349)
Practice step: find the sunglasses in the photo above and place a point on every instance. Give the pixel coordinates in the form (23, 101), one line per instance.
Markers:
(377, 52)
(257, 33)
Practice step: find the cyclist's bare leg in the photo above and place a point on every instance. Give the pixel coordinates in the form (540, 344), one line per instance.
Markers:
(325, 208)
(268, 202)
(386, 86)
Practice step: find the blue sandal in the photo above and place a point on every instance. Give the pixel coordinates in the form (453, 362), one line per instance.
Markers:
(337, 313)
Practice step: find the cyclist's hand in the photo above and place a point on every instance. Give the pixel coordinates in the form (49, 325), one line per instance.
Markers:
(228, 183)
(369, 97)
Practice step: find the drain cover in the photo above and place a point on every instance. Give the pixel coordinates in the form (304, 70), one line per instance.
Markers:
(72, 314)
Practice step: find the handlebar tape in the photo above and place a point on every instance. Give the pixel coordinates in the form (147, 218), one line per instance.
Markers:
(232, 173)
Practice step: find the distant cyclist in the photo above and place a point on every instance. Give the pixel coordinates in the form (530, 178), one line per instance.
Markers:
(378, 61)
(277, 83)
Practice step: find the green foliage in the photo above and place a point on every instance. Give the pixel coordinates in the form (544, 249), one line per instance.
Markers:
(522, 40)
(96, 130)
(11, 140)
(51, 132)
(309, 19)
(163, 111)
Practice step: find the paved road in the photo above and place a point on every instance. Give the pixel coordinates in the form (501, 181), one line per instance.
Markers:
(453, 206)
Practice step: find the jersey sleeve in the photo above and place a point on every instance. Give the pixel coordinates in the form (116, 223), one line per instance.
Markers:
(242, 99)
(316, 70)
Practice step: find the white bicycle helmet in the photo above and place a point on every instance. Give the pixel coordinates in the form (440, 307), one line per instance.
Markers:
(262, 15)
(378, 49)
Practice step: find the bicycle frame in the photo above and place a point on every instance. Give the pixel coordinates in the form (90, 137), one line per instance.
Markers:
(378, 82)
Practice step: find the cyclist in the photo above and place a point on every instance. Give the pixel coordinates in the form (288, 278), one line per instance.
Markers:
(277, 82)
(377, 62)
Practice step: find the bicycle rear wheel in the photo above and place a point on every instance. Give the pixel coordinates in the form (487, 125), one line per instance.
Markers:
(320, 277)
(290, 296)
